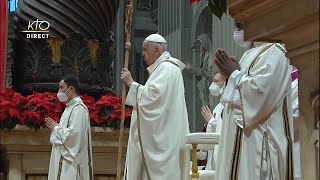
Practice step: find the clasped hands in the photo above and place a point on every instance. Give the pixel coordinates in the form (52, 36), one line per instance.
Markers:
(226, 64)
(50, 123)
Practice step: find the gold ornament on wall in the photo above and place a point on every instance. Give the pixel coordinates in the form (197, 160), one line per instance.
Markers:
(56, 44)
(93, 45)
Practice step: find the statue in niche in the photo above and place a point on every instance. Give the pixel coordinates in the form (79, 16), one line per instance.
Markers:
(205, 72)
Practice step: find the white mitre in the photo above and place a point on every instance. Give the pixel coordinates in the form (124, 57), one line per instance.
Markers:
(156, 38)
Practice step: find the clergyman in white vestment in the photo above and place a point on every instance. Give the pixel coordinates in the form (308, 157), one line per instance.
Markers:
(71, 154)
(213, 120)
(257, 131)
(162, 116)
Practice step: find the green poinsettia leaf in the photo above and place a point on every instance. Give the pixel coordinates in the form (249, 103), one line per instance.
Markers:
(31, 108)
(221, 4)
(9, 123)
(104, 126)
(215, 10)
(105, 111)
(29, 123)
(127, 123)
(116, 124)
(43, 125)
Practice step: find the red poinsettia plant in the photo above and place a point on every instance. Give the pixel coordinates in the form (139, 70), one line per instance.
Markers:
(90, 102)
(11, 106)
(41, 105)
(109, 109)
(32, 109)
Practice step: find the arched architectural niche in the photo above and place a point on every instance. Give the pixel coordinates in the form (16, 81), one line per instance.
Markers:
(200, 9)
(201, 25)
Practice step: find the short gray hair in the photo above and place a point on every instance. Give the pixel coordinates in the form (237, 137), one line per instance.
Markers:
(161, 46)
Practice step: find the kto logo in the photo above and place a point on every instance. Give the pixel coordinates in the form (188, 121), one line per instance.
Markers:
(38, 29)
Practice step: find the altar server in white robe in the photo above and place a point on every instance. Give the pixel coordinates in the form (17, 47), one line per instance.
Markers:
(159, 120)
(257, 133)
(213, 121)
(71, 154)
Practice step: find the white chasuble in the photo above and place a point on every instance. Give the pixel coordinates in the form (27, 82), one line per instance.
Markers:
(257, 134)
(163, 123)
(71, 154)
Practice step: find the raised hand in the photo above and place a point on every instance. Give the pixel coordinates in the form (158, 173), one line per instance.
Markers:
(50, 123)
(206, 114)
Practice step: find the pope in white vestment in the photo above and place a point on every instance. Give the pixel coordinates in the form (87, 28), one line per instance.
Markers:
(159, 109)
(257, 135)
(71, 154)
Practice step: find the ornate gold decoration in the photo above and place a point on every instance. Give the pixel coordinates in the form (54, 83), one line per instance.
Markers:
(93, 45)
(195, 173)
(55, 44)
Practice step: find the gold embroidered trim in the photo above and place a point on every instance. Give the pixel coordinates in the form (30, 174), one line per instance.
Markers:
(166, 61)
(60, 167)
(89, 158)
(256, 58)
(61, 158)
(89, 151)
(139, 133)
(261, 157)
(236, 155)
(290, 172)
(281, 48)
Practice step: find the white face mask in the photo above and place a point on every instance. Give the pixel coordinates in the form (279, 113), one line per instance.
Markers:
(238, 37)
(62, 96)
(215, 89)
